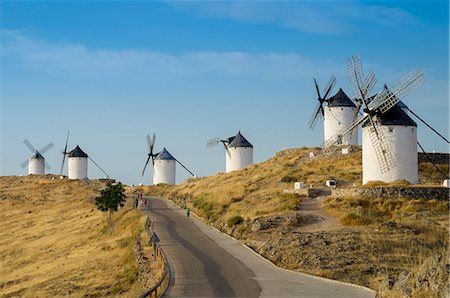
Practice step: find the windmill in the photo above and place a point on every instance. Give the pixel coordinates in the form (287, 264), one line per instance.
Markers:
(389, 134)
(36, 163)
(163, 164)
(337, 112)
(239, 151)
(77, 167)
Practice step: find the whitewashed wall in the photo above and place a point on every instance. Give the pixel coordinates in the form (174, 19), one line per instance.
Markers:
(402, 143)
(164, 172)
(36, 166)
(339, 119)
(238, 158)
(77, 167)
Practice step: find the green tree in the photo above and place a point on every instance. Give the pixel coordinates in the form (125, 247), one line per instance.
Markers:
(111, 198)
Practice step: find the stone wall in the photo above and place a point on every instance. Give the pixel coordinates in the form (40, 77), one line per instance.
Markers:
(427, 193)
(145, 276)
(438, 158)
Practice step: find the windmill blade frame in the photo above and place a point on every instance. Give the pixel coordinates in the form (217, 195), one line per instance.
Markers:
(330, 85)
(46, 165)
(355, 74)
(29, 146)
(212, 142)
(328, 144)
(146, 163)
(318, 110)
(64, 154)
(46, 148)
(150, 144)
(387, 99)
(382, 151)
(318, 113)
(24, 164)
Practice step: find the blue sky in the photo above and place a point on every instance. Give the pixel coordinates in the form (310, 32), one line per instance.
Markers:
(111, 72)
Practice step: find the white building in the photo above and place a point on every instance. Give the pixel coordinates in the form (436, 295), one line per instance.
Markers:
(77, 164)
(36, 164)
(338, 117)
(239, 153)
(164, 169)
(399, 133)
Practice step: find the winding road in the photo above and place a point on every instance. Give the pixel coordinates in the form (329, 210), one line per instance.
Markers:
(208, 263)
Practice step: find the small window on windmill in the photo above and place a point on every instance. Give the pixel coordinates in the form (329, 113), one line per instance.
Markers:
(391, 129)
(339, 142)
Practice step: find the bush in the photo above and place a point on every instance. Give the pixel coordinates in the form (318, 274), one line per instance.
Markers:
(352, 219)
(234, 220)
(288, 178)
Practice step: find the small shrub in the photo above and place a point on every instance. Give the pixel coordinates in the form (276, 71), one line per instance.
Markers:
(234, 220)
(352, 219)
(288, 178)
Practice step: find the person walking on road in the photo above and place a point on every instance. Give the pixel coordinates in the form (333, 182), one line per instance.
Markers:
(188, 211)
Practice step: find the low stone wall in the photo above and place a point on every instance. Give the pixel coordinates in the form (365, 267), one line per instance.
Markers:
(309, 192)
(427, 193)
(438, 158)
(145, 277)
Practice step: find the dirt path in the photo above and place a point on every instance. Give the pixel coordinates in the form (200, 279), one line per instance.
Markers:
(312, 208)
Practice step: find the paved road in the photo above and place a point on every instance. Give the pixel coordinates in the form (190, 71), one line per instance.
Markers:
(207, 263)
(201, 267)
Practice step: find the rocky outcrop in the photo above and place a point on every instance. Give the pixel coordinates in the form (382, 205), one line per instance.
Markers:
(431, 280)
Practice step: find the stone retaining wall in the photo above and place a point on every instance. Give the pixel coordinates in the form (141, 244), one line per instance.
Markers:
(427, 193)
(142, 262)
(145, 277)
(438, 158)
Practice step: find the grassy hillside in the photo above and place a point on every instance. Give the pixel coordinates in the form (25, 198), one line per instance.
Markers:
(55, 242)
(356, 239)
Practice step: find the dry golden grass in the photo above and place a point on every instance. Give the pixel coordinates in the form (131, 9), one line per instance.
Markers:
(55, 242)
(257, 189)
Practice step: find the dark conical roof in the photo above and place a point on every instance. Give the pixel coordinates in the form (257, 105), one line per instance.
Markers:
(340, 99)
(77, 152)
(37, 155)
(164, 155)
(402, 105)
(239, 141)
(395, 117)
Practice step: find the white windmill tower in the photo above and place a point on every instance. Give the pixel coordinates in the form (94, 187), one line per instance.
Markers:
(163, 164)
(36, 163)
(77, 164)
(338, 114)
(77, 167)
(238, 151)
(389, 135)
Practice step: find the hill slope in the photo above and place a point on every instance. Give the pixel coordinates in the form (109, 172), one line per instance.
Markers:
(54, 241)
(357, 239)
